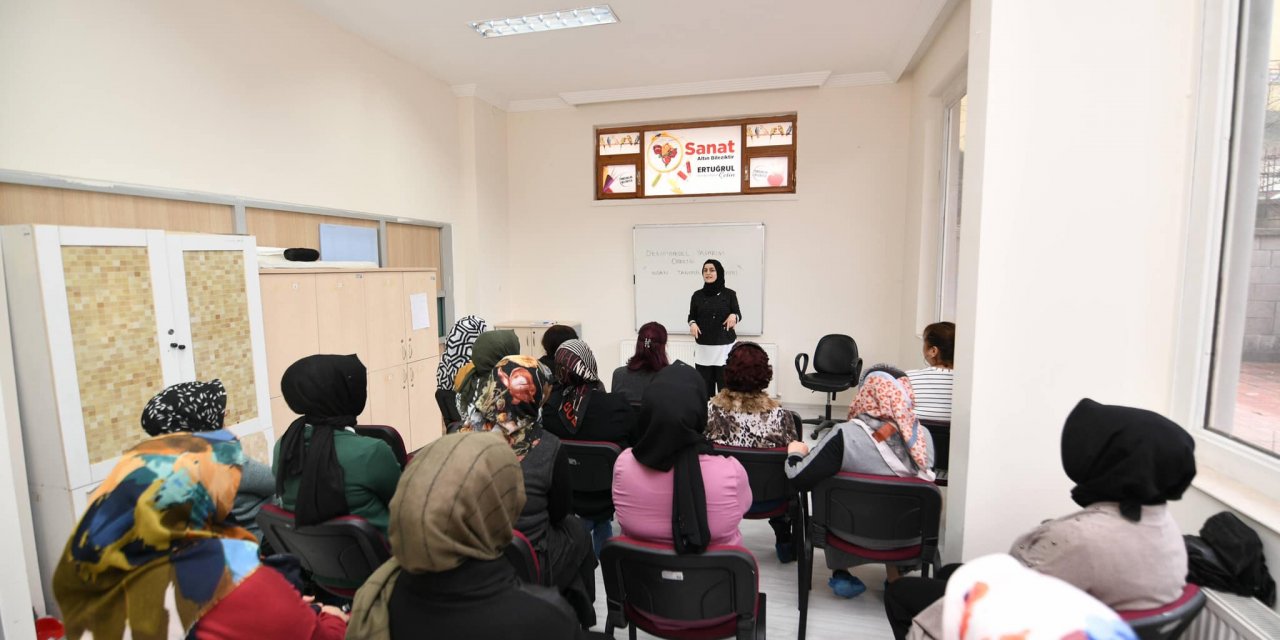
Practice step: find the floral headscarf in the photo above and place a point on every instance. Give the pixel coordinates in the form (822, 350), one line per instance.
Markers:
(510, 402)
(892, 401)
(186, 406)
(576, 372)
(154, 552)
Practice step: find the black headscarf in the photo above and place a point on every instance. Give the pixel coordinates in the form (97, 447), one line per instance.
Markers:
(329, 392)
(674, 413)
(186, 406)
(712, 288)
(1121, 454)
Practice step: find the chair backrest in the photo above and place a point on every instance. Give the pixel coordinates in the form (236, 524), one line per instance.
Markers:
(521, 555)
(766, 471)
(1170, 620)
(591, 464)
(664, 593)
(877, 512)
(447, 399)
(837, 354)
(342, 551)
(388, 435)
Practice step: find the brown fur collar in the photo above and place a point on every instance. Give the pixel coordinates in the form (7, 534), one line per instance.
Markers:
(743, 402)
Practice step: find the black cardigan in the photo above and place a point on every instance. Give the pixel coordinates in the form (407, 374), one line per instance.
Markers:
(710, 312)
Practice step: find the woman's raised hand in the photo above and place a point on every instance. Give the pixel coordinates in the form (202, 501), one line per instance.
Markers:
(731, 321)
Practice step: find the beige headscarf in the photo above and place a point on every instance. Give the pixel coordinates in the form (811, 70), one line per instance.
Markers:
(458, 499)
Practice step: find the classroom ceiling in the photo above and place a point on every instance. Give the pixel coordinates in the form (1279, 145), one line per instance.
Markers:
(697, 44)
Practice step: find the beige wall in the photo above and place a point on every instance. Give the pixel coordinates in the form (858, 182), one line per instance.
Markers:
(483, 241)
(254, 98)
(936, 79)
(833, 253)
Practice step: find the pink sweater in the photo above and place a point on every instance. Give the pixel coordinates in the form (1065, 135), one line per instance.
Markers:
(642, 498)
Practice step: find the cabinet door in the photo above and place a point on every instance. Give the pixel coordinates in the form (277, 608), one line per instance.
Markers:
(340, 315)
(425, 422)
(109, 315)
(281, 416)
(535, 342)
(220, 327)
(290, 322)
(389, 399)
(420, 289)
(386, 314)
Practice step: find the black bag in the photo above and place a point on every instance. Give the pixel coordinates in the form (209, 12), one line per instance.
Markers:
(301, 255)
(1227, 556)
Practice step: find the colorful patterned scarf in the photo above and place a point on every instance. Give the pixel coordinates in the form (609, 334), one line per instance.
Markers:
(576, 372)
(510, 402)
(891, 400)
(488, 349)
(153, 552)
(186, 406)
(457, 349)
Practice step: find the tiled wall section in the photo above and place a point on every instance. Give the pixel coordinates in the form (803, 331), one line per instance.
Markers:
(255, 447)
(113, 330)
(220, 338)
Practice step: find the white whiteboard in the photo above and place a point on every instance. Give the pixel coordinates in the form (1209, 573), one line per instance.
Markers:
(667, 268)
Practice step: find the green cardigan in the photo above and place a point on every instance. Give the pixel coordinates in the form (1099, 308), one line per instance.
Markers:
(369, 469)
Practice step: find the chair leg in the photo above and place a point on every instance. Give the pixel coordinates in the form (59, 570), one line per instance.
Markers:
(631, 633)
(760, 617)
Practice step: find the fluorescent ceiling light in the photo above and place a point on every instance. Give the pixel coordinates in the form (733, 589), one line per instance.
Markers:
(549, 21)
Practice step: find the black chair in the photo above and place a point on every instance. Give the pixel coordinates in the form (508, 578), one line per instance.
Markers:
(1170, 621)
(447, 399)
(860, 519)
(767, 476)
(591, 473)
(388, 435)
(715, 594)
(836, 367)
(521, 555)
(941, 432)
(338, 553)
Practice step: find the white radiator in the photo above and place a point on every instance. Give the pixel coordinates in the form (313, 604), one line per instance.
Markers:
(683, 350)
(1230, 617)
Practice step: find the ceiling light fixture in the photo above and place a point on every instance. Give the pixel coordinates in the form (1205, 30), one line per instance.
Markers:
(549, 21)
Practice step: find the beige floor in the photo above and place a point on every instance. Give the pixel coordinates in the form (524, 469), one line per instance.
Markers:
(830, 618)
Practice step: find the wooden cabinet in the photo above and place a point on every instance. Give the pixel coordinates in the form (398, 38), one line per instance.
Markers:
(530, 333)
(102, 320)
(385, 316)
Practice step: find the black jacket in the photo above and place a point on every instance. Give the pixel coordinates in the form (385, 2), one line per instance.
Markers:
(482, 600)
(609, 418)
(710, 311)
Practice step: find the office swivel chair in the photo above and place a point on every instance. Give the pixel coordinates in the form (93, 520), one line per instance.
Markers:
(836, 367)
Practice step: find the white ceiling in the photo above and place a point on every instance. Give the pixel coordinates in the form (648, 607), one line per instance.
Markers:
(702, 46)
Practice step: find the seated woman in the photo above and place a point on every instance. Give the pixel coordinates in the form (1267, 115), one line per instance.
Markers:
(452, 517)
(674, 463)
(489, 348)
(580, 409)
(650, 357)
(155, 557)
(510, 403)
(932, 386)
(882, 437)
(1123, 548)
(743, 415)
(457, 353)
(200, 407)
(552, 338)
(323, 468)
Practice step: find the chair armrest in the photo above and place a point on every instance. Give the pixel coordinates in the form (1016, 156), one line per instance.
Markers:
(802, 363)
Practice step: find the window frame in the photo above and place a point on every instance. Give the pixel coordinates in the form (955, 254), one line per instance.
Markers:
(746, 154)
(1226, 159)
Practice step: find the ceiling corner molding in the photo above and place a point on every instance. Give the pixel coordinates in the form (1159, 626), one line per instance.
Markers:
(931, 15)
(474, 91)
(538, 104)
(464, 90)
(759, 83)
(866, 79)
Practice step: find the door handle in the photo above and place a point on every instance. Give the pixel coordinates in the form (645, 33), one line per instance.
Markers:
(174, 345)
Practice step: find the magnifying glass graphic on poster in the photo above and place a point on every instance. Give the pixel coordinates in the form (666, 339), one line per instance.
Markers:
(665, 156)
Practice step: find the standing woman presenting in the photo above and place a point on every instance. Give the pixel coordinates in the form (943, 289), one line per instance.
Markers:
(713, 312)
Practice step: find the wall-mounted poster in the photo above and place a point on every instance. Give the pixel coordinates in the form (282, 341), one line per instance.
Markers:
(692, 161)
(619, 144)
(618, 178)
(770, 134)
(768, 171)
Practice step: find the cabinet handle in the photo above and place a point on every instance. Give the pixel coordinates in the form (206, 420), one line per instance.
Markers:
(410, 345)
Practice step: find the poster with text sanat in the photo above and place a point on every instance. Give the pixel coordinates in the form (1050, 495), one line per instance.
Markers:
(687, 162)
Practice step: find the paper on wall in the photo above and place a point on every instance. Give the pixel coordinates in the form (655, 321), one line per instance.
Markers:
(421, 312)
